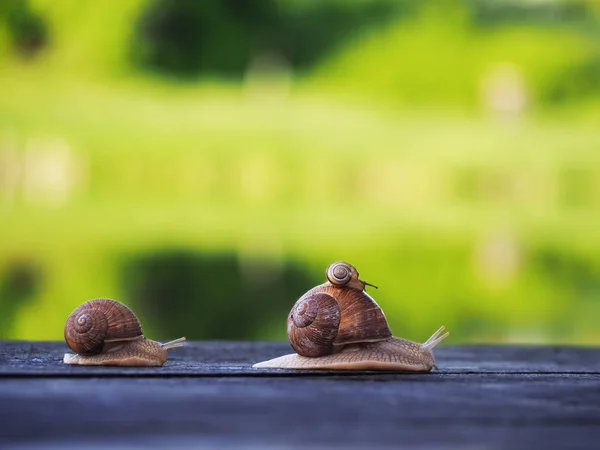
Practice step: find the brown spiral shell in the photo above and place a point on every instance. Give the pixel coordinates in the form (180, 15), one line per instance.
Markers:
(98, 321)
(313, 325)
(328, 317)
(340, 273)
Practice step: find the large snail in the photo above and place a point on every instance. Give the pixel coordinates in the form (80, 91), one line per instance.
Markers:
(337, 325)
(104, 332)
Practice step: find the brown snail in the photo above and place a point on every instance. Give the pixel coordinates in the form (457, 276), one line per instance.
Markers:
(337, 325)
(104, 332)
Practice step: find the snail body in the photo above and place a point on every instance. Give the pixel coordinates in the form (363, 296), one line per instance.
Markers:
(337, 325)
(104, 332)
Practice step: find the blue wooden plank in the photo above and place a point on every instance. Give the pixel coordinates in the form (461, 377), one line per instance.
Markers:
(208, 396)
(213, 358)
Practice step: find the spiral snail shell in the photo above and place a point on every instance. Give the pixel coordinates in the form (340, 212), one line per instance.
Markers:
(343, 274)
(105, 332)
(337, 325)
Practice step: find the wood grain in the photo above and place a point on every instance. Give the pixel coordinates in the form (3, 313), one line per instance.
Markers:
(209, 396)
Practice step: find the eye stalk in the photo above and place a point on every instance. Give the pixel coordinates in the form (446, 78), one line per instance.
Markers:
(368, 284)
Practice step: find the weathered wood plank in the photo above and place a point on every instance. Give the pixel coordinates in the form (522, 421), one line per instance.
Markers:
(236, 358)
(379, 412)
(208, 396)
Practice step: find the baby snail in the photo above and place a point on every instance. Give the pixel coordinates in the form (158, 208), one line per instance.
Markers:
(337, 325)
(104, 332)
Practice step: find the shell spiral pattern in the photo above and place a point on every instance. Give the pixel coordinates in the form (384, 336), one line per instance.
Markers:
(86, 331)
(98, 321)
(313, 324)
(339, 273)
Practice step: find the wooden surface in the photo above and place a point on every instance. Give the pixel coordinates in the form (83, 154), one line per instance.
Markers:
(209, 396)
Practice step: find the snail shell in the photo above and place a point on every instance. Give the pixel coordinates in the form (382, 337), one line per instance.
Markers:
(337, 325)
(340, 273)
(99, 322)
(328, 317)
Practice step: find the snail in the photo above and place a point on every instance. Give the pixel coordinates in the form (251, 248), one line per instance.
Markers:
(337, 325)
(104, 332)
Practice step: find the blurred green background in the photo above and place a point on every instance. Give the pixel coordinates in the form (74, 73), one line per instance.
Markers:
(204, 162)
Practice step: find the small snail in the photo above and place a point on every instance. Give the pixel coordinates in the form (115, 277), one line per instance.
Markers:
(337, 325)
(104, 332)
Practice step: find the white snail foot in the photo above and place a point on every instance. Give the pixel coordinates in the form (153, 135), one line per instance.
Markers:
(69, 358)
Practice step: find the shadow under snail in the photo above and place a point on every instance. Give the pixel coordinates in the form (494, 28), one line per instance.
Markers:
(104, 332)
(337, 325)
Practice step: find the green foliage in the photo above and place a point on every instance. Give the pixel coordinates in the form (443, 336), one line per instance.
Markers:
(402, 63)
(221, 38)
(212, 295)
(224, 202)
(187, 37)
(89, 39)
(19, 285)
(27, 32)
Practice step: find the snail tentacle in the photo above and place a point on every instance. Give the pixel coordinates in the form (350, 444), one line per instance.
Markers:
(435, 338)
